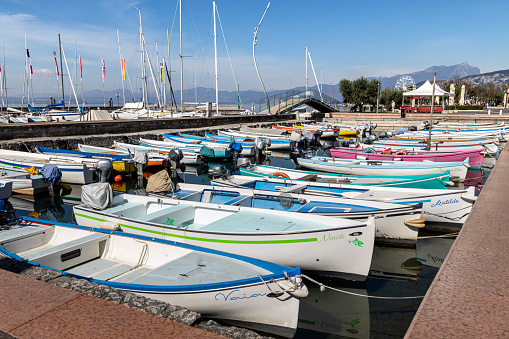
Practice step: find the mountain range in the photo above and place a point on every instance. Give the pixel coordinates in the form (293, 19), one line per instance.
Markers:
(443, 73)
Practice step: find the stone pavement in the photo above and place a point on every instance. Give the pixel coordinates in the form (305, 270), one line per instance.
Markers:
(31, 308)
(469, 297)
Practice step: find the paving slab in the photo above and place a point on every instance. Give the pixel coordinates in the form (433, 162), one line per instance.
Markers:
(469, 297)
(31, 308)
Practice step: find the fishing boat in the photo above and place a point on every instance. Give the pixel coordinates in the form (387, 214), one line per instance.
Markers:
(216, 284)
(24, 182)
(121, 164)
(219, 150)
(253, 133)
(475, 156)
(74, 170)
(435, 181)
(381, 167)
(326, 132)
(157, 154)
(326, 245)
(247, 149)
(439, 207)
(395, 223)
(278, 143)
(436, 145)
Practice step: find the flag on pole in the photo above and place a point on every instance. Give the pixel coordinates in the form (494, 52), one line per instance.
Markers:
(123, 69)
(162, 74)
(29, 65)
(104, 69)
(56, 63)
(81, 70)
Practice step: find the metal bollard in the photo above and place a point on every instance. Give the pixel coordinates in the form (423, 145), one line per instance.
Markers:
(489, 111)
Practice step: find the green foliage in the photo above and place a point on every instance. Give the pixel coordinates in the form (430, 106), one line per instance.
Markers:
(359, 91)
(390, 94)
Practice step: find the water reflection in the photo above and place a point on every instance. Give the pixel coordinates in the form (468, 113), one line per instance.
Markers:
(395, 272)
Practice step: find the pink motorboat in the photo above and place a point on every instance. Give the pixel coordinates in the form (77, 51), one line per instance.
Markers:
(474, 155)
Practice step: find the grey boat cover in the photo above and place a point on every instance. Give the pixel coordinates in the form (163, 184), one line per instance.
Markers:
(98, 195)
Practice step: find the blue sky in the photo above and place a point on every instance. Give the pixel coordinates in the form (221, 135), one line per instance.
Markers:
(346, 39)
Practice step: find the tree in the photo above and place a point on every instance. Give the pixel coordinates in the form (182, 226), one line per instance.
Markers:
(390, 94)
(359, 91)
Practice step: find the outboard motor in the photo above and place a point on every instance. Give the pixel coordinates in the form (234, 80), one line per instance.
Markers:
(371, 139)
(382, 135)
(389, 134)
(326, 147)
(317, 135)
(294, 154)
(235, 149)
(394, 132)
(104, 169)
(373, 126)
(412, 128)
(243, 162)
(53, 174)
(426, 125)
(217, 171)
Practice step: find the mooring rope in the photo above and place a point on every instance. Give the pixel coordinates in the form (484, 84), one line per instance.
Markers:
(323, 287)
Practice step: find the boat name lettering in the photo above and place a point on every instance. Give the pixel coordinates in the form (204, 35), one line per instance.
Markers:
(169, 222)
(356, 242)
(231, 297)
(436, 259)
(329, 326)
(379, 216)
(329, 237)
(446, 202)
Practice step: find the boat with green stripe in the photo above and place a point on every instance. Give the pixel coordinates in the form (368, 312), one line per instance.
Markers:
(323, 244)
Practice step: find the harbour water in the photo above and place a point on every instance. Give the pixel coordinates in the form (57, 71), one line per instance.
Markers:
(381, 306)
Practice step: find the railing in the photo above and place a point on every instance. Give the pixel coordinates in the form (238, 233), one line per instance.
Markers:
(283, 101)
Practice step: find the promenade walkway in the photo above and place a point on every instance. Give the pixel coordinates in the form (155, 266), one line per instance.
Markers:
(31, 308)
(469, 297)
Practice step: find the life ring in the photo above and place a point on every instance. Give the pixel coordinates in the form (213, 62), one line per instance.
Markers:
(281, 174)
(446, 132)
(457, 130)
(400, 153)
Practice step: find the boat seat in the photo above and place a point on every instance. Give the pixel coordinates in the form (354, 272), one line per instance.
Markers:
(172, 216)
(292, 189)
(117, 209)
(17, 233)
(69, 253)
(236, 200)
(308, 177)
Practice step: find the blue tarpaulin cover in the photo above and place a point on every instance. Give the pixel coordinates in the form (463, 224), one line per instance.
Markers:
(236, 146)
(52, 173)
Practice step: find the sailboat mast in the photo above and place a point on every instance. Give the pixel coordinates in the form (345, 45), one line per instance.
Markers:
(24, 75)
(181, 63)
(61, 69)
(143, 74)
(4, 80)
(169, 68)
(215, 57)
(122, 65)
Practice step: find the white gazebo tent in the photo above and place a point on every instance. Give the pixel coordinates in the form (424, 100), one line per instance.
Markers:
(426, 90)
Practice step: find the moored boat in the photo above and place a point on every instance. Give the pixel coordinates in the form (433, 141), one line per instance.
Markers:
(395, 223)
(436, 181)
(216, 284)
(327, 245)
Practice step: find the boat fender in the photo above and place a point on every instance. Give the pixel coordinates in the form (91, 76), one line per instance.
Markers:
(419, 223)
(281, 174)
(469, 198)
(110, 226)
